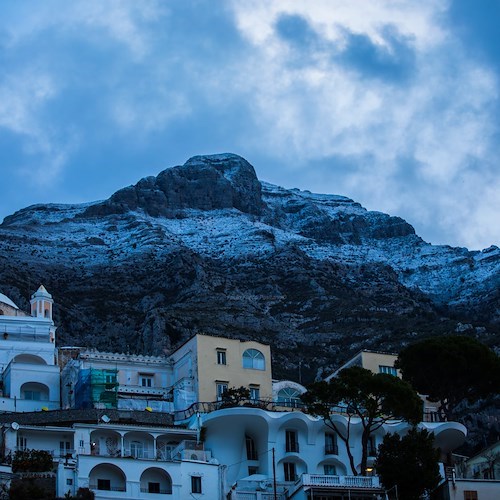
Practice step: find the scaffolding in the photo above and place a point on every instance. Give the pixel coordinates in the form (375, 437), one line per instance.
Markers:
(96, 388)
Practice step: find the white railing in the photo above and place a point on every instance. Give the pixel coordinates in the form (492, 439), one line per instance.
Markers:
(340, 481)
(140, 389)
(257, 495)
(191, 450)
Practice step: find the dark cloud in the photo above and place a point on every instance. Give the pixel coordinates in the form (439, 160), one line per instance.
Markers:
(394, 61)
(296, 30)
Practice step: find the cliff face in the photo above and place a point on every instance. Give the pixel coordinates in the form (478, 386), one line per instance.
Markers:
(206, 247)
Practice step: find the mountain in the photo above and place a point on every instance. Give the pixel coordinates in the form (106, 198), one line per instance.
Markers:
(207, 247)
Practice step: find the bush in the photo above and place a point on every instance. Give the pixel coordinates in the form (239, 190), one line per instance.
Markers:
(32, 461)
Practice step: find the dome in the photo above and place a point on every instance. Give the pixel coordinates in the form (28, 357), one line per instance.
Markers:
(5, 300)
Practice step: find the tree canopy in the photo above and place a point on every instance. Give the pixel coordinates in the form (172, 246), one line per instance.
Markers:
(373, 398)
(410, 463)
(450, 369)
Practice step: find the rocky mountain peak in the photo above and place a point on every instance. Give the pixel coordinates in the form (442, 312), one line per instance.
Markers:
(221, 181)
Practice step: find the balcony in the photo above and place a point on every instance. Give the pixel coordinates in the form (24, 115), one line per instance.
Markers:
(191, 450)
(257, 495)
(53, 453)
(292, 447)
(139, 390)
(358, 482)
(95, 486)
(331, 449)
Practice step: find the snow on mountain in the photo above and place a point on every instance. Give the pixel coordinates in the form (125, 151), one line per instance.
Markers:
(208, 247)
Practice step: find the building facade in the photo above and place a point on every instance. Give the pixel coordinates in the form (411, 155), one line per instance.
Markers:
(30, 376)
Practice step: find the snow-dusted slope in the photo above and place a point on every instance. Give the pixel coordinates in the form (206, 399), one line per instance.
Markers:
(207, 247)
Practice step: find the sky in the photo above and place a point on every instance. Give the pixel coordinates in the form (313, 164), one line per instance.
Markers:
(393, 103)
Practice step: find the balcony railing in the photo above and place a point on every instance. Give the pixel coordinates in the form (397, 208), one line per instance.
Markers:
(191, 450)
(208, 407)
(433, 416)
(161, 492)
(257, 495)
(54, 453)
(142, 390)
(93, 486)
(331, 449)
(361, 482)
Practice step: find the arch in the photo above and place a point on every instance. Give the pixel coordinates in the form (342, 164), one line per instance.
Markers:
(107, 477)
(138, 444)
(288, 396)
(35, 391)
(105, 443)
(291, 468)
(31, 359)
(254, 359)
(156, 480)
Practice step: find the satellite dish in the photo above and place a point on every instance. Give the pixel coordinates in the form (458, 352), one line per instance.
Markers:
(105, 419)
(14, 425)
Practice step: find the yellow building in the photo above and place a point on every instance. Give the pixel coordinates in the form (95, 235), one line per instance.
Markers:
(375, 361)
(206, 366)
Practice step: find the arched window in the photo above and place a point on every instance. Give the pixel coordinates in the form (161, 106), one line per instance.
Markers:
(252, 358)
(289, 397)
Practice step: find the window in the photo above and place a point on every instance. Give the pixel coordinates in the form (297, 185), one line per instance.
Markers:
(21, 443)
(331, 444)
(329, 470)
(136, 449)
(470, 495)
(254, 359)
(390, 370)
(290, 472)
(104, 484)
(153, 487)
(32, 395)
(146, 380)
(292, 445)
(69, 482)
(195, 484)
(253, 470)
(221, 388)
(110, 377)
(289, 397)
(255, 392)
(221, 357)
(251, 449)
(64, 448)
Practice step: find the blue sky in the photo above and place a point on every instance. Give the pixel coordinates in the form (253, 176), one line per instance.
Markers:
(393, 103)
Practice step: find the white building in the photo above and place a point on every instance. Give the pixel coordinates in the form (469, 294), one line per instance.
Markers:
(28, 363)
(308, 458)
(119, 454)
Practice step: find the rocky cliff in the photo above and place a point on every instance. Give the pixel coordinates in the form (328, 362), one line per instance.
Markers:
(206, 247)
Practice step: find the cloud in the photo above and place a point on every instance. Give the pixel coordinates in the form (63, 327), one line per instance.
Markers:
(390, 106)
(387, 98)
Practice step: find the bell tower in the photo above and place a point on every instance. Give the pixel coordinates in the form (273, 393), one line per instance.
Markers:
(41, 304)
